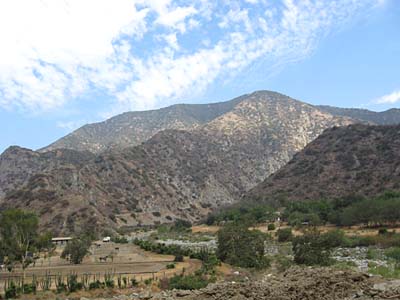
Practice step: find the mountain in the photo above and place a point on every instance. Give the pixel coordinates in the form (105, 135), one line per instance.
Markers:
(388, 117)
(133, 128)
(357, 159)
(174, 174)
(18, 164)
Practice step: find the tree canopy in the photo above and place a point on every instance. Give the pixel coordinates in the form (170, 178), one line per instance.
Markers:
(76, 250)
(239, 246)
(20, 239)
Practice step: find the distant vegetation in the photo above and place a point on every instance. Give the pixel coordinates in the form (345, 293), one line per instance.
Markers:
(383, 210)
(249, 214)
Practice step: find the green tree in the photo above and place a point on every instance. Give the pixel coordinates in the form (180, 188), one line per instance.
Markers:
(18, 238)
(285, 234)
(314, 248)
(239, 246)
(76, 250)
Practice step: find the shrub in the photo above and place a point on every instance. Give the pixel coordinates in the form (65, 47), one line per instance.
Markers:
(178, 258)
(11, 291)
(61, 288)
(285, 235)
(96, 285)
(314, 248)
(382, 231)
(72, 283)
(182, 225)
(333, 238)
(385, 272)
(171, 266)
(271, 227)
(394, 253)
(283, 263)
(134, 282)
(190, 282)
(119, 240)
(29, 288)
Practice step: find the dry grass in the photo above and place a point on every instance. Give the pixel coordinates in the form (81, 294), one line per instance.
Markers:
(205, 229)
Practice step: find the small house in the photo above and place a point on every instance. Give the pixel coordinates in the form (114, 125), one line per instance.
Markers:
(61, 241)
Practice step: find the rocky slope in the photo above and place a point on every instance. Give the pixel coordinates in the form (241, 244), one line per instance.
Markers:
(133, 128)
(358, 159)
(18, 164)
(175, 174)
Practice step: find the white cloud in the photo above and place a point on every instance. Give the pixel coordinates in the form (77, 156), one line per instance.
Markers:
(148, 53)
(391, 98)
(49, 46)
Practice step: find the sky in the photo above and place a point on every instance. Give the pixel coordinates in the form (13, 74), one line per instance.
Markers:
(65, 63)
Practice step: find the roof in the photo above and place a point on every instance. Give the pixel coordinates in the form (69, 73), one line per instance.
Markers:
(57, 239)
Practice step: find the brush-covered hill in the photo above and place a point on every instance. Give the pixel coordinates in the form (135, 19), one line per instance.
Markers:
(175, 174)
(356, 159)
(133, 128)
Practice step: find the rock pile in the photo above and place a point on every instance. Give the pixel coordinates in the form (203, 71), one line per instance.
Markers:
(294, 284)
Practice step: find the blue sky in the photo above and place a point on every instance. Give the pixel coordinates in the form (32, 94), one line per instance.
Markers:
(67, 63)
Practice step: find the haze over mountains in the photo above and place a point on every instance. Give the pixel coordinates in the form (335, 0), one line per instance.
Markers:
(183, 161)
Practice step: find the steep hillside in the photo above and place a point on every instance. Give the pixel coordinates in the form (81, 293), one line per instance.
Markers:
(175, 174)
(132, 128)
(18, 164)
(388, 117)
(357, 159)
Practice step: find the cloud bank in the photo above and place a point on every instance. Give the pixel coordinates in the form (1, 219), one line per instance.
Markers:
(146, 53)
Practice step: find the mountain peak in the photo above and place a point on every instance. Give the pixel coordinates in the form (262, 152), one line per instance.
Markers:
(191, 159)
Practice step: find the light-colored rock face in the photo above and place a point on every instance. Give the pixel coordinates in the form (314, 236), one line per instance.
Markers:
(227, 150)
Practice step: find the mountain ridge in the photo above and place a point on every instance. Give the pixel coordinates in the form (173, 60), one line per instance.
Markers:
(174, 174)
(133, 128)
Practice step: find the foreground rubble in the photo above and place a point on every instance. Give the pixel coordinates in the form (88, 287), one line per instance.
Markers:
(296, 283)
